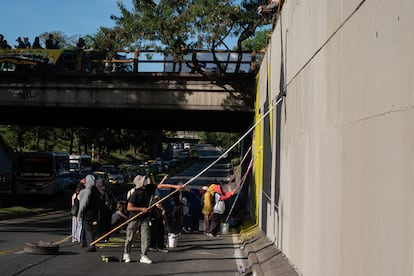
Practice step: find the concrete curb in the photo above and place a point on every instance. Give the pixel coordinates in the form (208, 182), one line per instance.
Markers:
(263, 256)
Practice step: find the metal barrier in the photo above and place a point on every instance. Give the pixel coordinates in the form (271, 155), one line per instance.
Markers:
(128, 61)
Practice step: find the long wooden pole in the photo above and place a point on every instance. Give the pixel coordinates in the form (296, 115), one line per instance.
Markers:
(130, 219)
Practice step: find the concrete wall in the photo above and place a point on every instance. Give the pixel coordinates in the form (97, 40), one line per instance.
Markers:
(338, 195)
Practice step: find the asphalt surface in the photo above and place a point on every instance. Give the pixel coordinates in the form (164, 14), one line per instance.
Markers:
(246, 253)
(194, 253)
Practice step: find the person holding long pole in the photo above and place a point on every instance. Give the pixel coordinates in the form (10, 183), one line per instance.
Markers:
(139, 203)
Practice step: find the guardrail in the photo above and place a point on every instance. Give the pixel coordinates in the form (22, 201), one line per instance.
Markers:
(127, 61)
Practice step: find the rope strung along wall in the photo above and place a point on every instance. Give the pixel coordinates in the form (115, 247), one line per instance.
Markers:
(193, 178)
(242, 181)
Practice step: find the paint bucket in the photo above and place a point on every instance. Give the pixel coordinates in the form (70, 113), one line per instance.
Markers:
(172, 240)
(224, 228)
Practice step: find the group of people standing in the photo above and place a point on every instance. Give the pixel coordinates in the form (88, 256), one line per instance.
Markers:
(144, 212)
(50, 43)
(207, 204)
(93, 214)
(24, 43)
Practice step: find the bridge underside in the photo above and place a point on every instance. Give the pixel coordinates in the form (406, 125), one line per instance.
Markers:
(193, 102)
(191, 120)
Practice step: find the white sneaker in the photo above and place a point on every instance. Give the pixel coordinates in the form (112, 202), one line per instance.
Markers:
(144, 259)
(126, 258)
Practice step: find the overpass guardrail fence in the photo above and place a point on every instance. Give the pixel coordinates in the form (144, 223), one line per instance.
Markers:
(94, 61)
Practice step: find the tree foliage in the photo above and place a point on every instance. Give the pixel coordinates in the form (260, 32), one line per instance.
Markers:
(258, 42)
(164, 24)
(102, 141)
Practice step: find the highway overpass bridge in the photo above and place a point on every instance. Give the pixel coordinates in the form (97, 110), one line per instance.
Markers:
(198, 101)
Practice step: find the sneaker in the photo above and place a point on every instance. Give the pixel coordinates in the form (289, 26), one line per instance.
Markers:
(144, 259)
(185, 230)
(152, 249)
(126, 258)
(211, 235)
(162, 250)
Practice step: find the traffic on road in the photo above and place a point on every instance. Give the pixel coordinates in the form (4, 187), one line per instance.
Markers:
(58, 255)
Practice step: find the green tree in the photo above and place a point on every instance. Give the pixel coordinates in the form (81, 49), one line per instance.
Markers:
(258, 42)
(223, 140)
(163, 24)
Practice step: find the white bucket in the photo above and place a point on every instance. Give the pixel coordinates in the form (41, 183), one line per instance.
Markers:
(224, 228)
(172, 240)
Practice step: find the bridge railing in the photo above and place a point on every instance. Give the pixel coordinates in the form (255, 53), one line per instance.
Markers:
(127, 61)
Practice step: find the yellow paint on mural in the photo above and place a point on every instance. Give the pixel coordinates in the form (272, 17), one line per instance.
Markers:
(258, 151)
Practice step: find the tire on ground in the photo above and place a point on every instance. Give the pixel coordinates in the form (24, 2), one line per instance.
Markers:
(41, 248)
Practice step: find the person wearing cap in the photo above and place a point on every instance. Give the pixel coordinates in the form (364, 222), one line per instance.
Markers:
(138, 207)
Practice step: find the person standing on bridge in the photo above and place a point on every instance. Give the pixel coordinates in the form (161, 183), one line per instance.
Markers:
(51, 43)
(138, 207)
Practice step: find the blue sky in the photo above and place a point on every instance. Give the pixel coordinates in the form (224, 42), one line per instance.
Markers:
(72, 17)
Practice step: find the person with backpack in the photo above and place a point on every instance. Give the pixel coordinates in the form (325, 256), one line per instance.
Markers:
(138, 208)
(219, 207)
(207, 206)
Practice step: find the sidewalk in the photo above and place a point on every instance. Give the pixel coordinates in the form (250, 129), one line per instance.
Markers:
(247, 253)
(263, 257)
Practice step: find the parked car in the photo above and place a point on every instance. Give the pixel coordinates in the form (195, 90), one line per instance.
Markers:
(158, 164)
(116, 177)
(103, 175)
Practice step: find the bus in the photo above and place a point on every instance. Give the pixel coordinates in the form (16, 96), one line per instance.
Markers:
(80, 163)
(37, 172)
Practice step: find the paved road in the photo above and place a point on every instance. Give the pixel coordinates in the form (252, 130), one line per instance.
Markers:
(209, 168)
(194, 254)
